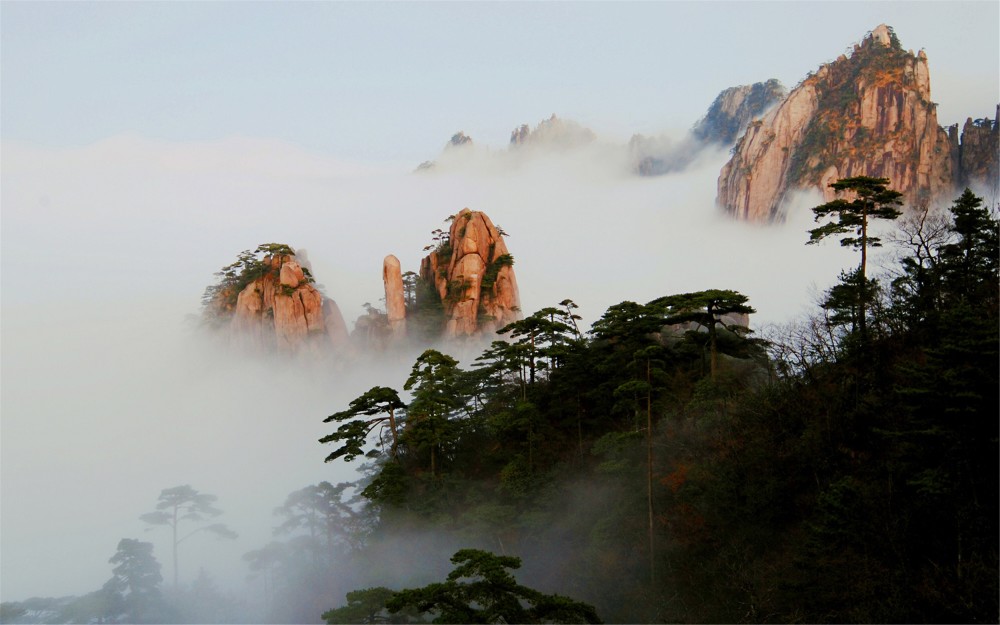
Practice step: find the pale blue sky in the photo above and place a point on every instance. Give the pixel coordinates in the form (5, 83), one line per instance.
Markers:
(392, 81)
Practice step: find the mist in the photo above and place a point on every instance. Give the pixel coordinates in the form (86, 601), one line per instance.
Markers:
(111, 393)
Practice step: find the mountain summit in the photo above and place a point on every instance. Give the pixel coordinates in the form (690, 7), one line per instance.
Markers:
(867, 114)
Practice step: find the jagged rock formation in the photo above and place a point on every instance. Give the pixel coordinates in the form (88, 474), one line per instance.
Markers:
(726, 118)
(978, 152)
(867, 114)
(459, 139)
(395, 298)
(472, 273)
(735, 108)
(272, 303)
(552, 132)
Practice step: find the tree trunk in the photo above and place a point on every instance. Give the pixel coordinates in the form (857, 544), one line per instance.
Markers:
(712, 353)
(649, 468)
(863, 293)
(392, 429)
(174, 526)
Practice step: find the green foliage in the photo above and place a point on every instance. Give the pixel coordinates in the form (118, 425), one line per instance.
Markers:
(219, 299)
(873, 199)
(363, 606)
(425, 316)
(435, 383)
(321, 513)
(353, 432)
(389, 487)
(845, 300)
(456, 291)
(493, 270)
(838, 99)
(481, 590)
(134, 587)
(838, 482)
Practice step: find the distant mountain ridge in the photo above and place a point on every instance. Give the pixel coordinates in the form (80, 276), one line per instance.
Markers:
(729, 114)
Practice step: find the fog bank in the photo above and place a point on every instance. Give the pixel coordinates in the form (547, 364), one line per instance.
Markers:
(109, 395)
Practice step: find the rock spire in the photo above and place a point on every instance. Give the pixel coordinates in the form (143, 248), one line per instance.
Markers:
(272, 303)
(395, 298)
(472, 273)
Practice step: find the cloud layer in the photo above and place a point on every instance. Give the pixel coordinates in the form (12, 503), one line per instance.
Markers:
(109, 396)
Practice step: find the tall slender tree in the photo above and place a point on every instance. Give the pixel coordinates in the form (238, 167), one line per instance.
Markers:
(873, 199)
(707, 309)
(183, 504)
(436, 383)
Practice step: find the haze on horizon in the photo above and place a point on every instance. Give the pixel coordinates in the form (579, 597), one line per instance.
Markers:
(145, 145)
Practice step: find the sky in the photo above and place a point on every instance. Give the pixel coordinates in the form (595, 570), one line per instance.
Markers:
(144, 145)
(392, 81)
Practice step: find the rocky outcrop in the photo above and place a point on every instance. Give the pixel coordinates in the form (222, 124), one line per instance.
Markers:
(395, 298)
(278, 307)
(979, 152)
(459, 139)
(735, 108)
(867, 114)
(726, 118)
(553, 132)
(472, 273)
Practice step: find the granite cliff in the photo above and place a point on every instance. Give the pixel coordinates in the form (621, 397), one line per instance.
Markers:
(267, 300)
(866, 114)
(471, 272)
(733, 109)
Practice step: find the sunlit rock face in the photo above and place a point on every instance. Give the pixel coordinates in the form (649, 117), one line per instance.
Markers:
(395, 298)
(473, 274)
(867, 114)
(282, 309)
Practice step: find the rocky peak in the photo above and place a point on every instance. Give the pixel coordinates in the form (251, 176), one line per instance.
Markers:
(881, 35)
(520, 134)
(395, 298)
(459, 139)
(867, 114)
(979, 152)
(271, 302)
(735, 108)
(552, 132)
(472, 273)
(730, 113)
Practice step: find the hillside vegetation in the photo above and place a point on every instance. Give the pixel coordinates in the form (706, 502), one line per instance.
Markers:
(668, 467)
